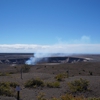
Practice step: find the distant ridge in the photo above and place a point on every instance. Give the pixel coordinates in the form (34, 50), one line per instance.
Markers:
(16, 53)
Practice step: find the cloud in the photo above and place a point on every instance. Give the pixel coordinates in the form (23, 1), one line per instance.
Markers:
(81, 45)
(83, 40)
(57, 48)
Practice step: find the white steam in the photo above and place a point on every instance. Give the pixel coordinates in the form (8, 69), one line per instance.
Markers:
(37, 58)
(77, 46)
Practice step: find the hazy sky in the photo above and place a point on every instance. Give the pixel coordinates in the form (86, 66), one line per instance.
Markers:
(71, 26)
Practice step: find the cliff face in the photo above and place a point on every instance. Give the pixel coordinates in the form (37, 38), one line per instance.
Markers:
(44, 60)
(62, 60)
(13, 61)
(22, 58)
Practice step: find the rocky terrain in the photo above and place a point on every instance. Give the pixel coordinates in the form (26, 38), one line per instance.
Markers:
(22, 58)
(86, 68)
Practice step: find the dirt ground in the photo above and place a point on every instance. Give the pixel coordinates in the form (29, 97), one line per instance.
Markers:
(47, 73)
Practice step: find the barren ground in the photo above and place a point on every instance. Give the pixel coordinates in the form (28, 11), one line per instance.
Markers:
(48, 72)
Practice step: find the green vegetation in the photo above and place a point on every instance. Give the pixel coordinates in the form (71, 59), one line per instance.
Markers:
(90, 73)
(80, 85)
(61, 76)
(25, 68)
(6, 88)
(34, 83)
(11, 72)
(4, 74)
(13, 84)
(41, 96)
(53, 84)
(93, 99)
(71, 97)
(65, 97)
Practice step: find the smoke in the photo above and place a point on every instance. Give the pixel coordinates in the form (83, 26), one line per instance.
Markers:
(78, 46)
(41, 57)
(62, 49)
(33, 61)
(37, 57)
(42, 52)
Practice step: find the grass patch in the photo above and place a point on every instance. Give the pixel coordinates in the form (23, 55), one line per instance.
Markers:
(80, 85)
(6, 88)
(13, 84)
(4, 74)
(61, 76)
(65, 97)
(11, 72)
(53, 84)
(41, 96)
(32, 83)
(25, 68)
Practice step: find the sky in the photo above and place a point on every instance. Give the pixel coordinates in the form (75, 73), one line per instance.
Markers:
(64, 26)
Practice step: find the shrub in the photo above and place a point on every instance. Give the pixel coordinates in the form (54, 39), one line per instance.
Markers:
(80, 85)
(55, 99)
(34, 83)
(5, 89)
(61, 76)
(90, 73)
(71, 97)
(11, 73)
(83, 70)
(41, 96)
(53, 84)
(13, 84)
(3, 74)
(25, 68)
(65, 97)
(93, 99)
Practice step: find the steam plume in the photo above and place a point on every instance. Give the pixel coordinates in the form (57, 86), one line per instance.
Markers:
(37, 57)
